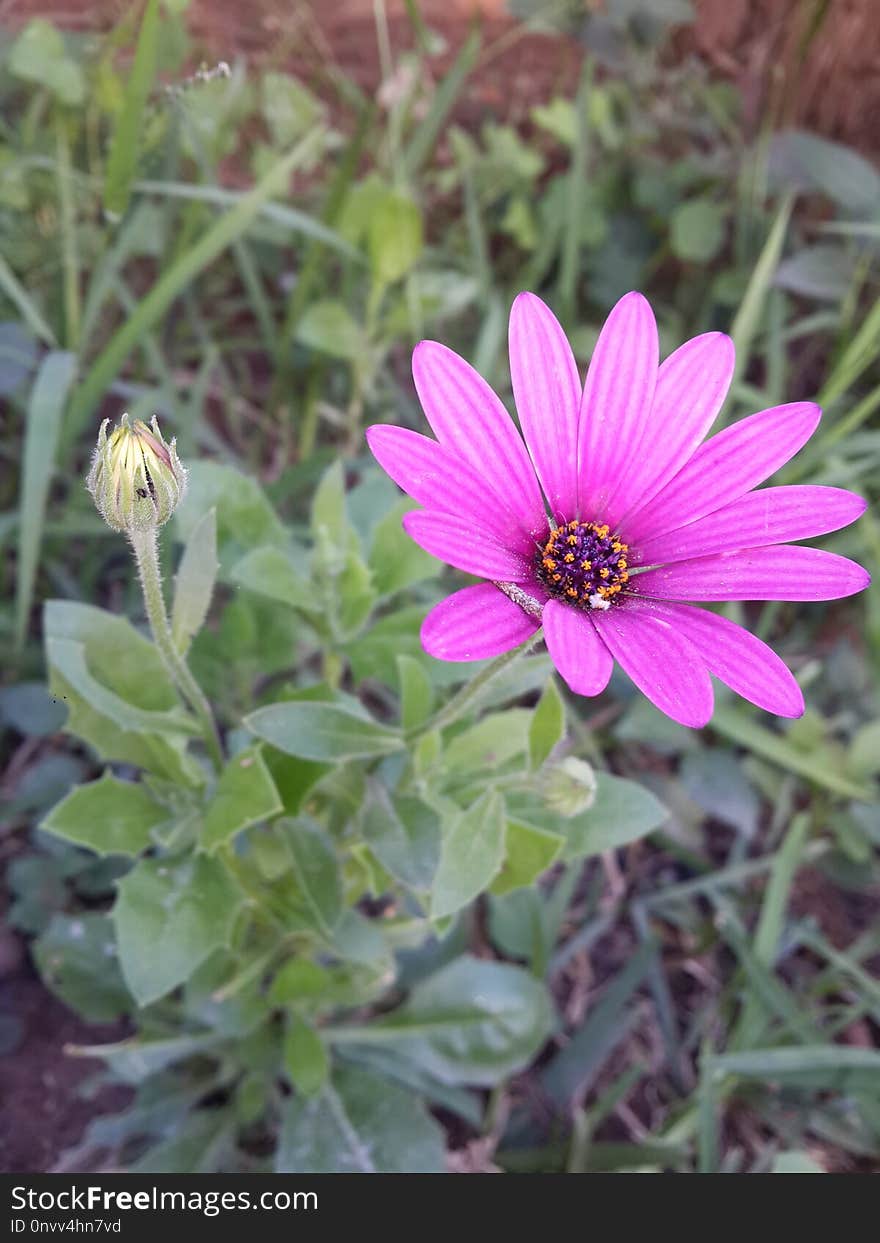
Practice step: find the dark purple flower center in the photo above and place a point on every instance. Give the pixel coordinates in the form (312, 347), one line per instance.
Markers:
(583, 564)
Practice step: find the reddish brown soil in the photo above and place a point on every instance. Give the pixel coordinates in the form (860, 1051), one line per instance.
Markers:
(828, 80)
(43, 1112)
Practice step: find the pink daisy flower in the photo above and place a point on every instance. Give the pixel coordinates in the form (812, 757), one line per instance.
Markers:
(609, 512)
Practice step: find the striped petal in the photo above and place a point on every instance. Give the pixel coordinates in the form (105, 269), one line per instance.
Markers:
(468, 417)
(780, 572)
(739, 659)
(575, 648)
(456, 541)
(770, 516)
(440, 480)
(474, 624)
(662, 663)
(692, 384)
(547, 391)
(725, 468)
(616, 405)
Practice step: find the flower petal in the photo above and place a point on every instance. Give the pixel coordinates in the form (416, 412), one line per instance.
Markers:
(475, 623)
(467, 416)
(456, 541)
(739, 659)
(780, 572)
(615, 405)
(725, 468)
(662, 663)
(547, 391)
(769, 516)
(440, 480)
(691, 386)
(576, 649)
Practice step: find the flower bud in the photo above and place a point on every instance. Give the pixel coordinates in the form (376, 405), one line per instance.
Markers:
(136, 479)
(570, 787)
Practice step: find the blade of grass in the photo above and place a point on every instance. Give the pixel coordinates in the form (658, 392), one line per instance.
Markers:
(841, 430)
(279, 213)
(748, 317)
(861, 352)
(24, 304)
(125, 144)
(69, 250)
(45, 407)
(172, 283)
(571, 1071)
(425, 137)
(574, 214)
(740, 729)
(842, 1069)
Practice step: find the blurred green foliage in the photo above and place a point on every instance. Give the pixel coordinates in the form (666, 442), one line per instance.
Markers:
(698, 961)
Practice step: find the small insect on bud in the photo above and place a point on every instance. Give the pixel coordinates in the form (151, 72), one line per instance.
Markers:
(136, 479)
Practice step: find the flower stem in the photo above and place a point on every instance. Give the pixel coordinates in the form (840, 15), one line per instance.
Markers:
(147, 556)
(460, 702)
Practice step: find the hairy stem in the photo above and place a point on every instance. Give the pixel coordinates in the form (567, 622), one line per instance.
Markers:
(460, 702)
(147, 556)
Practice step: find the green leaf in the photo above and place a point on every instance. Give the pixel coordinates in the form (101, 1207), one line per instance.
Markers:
(194, 582)
(245, 518)
(395, 560)
(528, 853)
(813, 163)
(269, 572)
(547, 725)
(623, 811)
(841, 1069)
(38, 56)
(404, 835)
(45, 408)
(328, 517)
(823, 272)
(471, 855)
(739, 727)
(473, 1021)
(316, 872)
(117, 655)
(395, 238)
(76, 956)
(69, 658)
(169, 917)
(289, 107)
(305, 1057)
(318, 731)
(245, 795)
(191, 261)
(109, 816)
(716, 782)
(292, 777)
(495, 740)
(697, 230)
(29, 708)
(299, 980)
(416, 693)
(375, 653)
(129, 127)
(138, 1059)
(360, 1124)
(329, 328)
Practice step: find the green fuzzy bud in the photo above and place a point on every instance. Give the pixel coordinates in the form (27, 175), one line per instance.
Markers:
(570, 787)
(136, 479)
